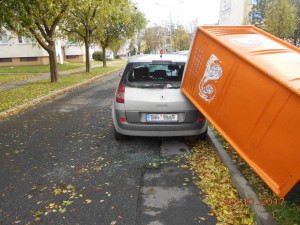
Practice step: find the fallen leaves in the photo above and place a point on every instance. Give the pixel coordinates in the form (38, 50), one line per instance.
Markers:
(214, 181)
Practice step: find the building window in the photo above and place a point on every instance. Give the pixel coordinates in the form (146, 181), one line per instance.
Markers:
(253, 2)
(28, 59)
(225, 5)
(3, 60)
(3, 38)
(24, 40)
(72, 43)
(72, 56)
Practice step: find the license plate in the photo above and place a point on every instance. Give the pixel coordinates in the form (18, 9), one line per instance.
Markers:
(162, 117)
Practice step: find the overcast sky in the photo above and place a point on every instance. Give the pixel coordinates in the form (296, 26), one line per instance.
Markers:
(182, 11)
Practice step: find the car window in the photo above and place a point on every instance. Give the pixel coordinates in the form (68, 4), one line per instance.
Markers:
(155, 75)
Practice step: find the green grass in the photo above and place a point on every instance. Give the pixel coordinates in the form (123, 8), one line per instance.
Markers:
(288, 214)
(17, 96)
(42, 68)
(4, 78)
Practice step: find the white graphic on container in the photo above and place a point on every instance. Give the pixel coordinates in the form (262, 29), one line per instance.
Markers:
(213, 72)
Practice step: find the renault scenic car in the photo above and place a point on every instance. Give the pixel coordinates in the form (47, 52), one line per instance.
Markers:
(149, 101)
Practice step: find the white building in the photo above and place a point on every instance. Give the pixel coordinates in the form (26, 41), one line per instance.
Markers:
(235, 12)
(19, 51)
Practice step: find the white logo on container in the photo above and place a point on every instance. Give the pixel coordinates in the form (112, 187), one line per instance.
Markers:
(213, 72)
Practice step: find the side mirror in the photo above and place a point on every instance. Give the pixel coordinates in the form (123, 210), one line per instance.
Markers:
(120, 74)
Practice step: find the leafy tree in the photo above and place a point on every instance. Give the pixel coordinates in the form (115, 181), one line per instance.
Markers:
(121, 21)
(258, 13)
(297, 31)
(154, 38)
(36, 18)
(181, 39)
(272, 15)
(116, 45)
(82, 22)
(280, 18)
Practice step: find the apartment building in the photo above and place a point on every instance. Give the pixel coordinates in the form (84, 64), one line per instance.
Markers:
(21, 51)
(235, 12)
(16, 51)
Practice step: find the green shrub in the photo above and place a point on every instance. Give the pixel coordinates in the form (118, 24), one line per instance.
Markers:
(117, 57)
(97, 56)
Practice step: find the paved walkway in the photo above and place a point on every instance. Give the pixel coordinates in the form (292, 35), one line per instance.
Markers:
(42, 76)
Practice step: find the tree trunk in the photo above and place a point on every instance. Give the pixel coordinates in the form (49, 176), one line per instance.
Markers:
(53, 63)
(104, 56)
(87, 55)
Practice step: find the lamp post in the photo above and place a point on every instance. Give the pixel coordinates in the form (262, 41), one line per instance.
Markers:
(156, 3)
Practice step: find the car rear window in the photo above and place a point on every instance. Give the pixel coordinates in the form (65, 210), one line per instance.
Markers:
(155, 75)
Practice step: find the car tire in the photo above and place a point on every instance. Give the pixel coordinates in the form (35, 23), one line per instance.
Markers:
(118, 136)
(203, 136)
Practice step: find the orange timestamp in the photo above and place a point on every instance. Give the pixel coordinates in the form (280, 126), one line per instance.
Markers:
(251, 201)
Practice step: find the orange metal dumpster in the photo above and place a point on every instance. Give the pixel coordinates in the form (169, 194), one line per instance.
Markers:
(247, 84)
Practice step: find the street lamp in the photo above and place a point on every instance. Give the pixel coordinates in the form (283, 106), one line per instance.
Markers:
(156, 3)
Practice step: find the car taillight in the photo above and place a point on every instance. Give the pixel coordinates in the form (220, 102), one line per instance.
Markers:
(120, 93)
(201, 119)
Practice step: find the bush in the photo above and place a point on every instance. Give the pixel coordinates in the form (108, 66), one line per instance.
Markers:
(97, 56)
(117, 57)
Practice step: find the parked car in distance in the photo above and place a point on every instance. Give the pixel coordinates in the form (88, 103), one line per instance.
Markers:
(149, 101)
(110, 56)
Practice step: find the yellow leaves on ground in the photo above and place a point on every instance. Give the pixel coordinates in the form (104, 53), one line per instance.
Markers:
(216, 186)
(4, 78)
(88, 201)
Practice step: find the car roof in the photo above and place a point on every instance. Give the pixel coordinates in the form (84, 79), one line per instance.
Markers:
(156, 57)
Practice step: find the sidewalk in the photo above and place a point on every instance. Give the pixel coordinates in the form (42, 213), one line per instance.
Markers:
(42, 76)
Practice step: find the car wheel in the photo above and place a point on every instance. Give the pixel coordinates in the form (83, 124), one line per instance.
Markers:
(203, 135)
(118, 136)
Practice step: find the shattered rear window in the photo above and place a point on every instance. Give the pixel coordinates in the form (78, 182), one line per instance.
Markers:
(155, 75)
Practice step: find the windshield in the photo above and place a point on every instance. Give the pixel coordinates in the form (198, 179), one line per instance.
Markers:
(156, 75)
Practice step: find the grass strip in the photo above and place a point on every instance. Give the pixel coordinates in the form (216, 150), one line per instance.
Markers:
(42, 68)
(216, 187)
(5, 78)
(17, 96)
(286, 214)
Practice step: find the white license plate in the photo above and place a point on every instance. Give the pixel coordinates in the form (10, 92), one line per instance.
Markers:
(162, 117)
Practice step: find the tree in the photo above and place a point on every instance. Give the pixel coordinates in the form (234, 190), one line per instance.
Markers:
(281, 19)
(116, 45)
(121, 22)
(296, 36)
(82, 22)
(181, 39)
(275, 15)
(36, 18)
(154, 38)
(257, 14)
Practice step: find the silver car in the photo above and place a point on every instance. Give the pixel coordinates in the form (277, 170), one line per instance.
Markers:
(149, 101)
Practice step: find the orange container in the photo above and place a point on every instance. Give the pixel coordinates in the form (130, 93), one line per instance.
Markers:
(247, 84)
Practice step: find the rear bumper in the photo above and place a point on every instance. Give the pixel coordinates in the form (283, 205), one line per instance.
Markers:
(157, 130)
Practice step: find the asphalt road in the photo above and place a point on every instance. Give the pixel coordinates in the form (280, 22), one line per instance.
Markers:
(60, 164)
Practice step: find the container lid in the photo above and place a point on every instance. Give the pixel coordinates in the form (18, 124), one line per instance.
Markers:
(273, 56)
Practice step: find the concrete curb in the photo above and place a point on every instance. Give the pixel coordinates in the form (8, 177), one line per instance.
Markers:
(33, 102)
(262, 215)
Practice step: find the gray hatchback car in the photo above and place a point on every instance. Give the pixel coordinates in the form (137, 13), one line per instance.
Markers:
(149, 101)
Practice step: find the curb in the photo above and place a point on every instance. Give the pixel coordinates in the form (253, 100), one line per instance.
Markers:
(262, 215)
(33, 102)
